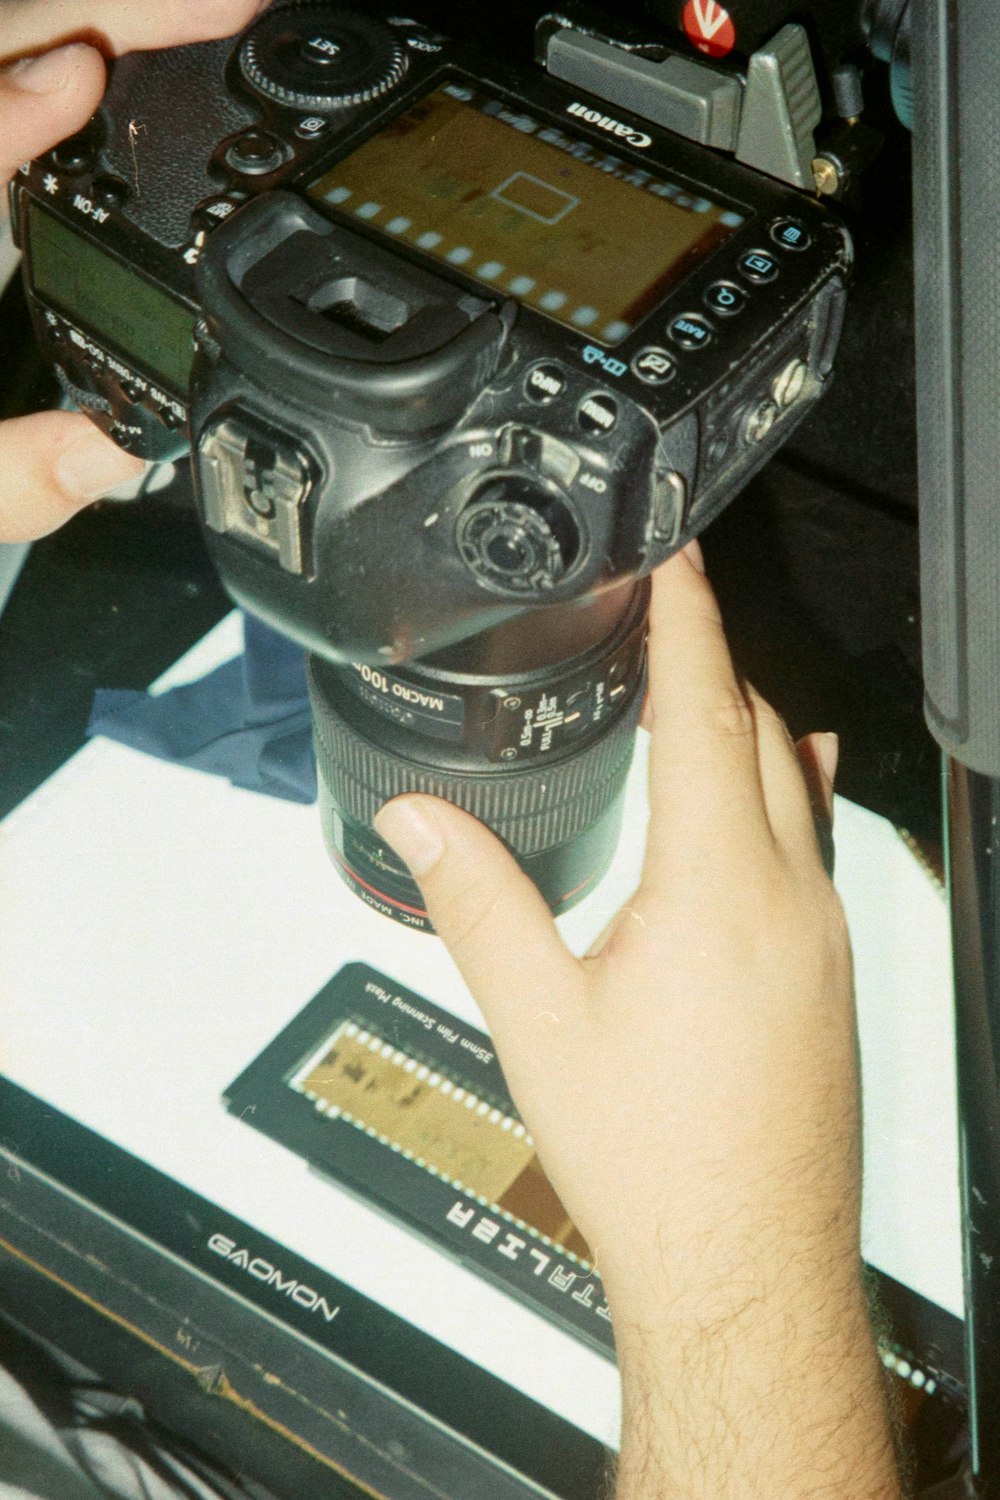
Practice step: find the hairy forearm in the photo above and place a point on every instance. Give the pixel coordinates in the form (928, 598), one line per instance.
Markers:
(782, 1398)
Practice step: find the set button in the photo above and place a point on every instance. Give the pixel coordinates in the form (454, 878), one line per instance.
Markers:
(790, 234)
(725, 299)
(690, 331)
(758, 265)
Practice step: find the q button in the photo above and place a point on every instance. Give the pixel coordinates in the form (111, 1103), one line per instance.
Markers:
(725, 299)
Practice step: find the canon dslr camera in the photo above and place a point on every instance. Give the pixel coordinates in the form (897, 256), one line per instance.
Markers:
(462, 351)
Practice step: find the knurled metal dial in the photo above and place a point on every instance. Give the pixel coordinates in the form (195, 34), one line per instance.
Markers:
(315, 57)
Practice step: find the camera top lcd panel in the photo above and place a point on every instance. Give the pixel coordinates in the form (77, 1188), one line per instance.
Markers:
(421, 312)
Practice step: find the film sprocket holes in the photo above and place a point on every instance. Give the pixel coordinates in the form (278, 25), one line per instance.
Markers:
(462, 353)
(406, 1106)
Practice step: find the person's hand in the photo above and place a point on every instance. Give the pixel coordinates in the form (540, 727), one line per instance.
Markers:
(691, 1084)
(52, 76)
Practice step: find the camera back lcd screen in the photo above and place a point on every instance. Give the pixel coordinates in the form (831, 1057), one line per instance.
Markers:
(553, 220)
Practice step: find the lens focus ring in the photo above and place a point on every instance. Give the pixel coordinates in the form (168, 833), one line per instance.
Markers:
(531, 810)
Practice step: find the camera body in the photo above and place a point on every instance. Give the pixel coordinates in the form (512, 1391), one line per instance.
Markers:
(462, 351)
(461, 330)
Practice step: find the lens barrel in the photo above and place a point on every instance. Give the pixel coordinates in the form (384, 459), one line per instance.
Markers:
(539, 754)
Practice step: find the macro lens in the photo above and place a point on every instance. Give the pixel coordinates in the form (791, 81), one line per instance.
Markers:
(529, 726)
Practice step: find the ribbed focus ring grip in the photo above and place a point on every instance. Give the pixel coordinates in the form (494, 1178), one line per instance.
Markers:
(531, 810)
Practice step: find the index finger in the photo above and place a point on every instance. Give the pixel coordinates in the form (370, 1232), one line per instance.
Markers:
(705, 788)
(28, 26)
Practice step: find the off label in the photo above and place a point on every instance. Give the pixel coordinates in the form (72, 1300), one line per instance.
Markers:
(709, 27)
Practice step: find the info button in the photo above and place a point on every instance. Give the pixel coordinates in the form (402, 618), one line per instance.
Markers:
(544, 383)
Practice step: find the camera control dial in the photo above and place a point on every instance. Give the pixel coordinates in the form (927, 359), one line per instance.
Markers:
(517, 536)
(314, 57)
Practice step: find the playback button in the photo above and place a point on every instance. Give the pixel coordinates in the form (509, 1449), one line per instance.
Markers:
(758, 265)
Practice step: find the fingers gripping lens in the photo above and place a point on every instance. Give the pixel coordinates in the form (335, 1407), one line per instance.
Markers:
(540, 756)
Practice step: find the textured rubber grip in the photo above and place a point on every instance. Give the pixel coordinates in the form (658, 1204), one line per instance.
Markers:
(532, 810)
(957, 284)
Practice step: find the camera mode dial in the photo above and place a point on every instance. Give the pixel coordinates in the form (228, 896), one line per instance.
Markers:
(314, 57)
(517, 536)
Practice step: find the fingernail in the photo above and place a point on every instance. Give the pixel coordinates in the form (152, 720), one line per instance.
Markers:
(828, 751)
(93, 465)
(412, 832)
(50, 72)
(692, 551)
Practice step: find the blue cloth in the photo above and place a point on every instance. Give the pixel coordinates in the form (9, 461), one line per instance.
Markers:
(248, 720)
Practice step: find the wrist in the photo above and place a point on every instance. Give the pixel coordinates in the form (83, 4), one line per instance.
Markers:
(780, 1392)
(741, 1289)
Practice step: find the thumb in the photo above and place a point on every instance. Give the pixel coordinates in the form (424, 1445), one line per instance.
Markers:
(46, 98)
(51, 465)
(490, 916)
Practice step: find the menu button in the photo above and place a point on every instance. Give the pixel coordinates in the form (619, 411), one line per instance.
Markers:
(598, 414)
